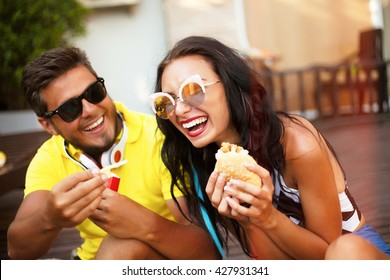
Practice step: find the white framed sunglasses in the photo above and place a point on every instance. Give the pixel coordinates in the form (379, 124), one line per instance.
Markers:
(191, 92)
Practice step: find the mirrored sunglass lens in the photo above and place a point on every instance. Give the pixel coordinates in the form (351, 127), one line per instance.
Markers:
(193, 94)
(95, 93)
(70, 110)
(163, 106)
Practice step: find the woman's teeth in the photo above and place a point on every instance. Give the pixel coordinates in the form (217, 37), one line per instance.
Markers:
(95, 124)
(194, 123)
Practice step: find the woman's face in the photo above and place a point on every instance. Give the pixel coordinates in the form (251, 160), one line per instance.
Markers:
(205, 123)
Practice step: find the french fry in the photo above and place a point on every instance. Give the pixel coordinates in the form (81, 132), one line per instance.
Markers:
(112, 166)
(113, 179)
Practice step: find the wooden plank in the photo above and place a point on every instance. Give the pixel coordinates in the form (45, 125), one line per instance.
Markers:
(19, 150)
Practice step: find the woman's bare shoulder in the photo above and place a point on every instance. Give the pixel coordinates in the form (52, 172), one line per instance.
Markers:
(300, 137)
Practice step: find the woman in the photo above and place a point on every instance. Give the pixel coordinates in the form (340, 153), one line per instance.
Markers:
(207, 94)
(354, 247)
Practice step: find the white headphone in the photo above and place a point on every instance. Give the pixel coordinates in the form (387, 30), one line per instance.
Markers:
(115, 154)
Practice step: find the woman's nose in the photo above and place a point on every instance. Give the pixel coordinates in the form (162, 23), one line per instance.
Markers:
(181, 107)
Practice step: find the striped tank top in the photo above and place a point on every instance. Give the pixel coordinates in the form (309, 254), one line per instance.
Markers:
(287, 201)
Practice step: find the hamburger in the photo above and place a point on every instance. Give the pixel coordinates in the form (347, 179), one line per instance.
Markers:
(231, 160)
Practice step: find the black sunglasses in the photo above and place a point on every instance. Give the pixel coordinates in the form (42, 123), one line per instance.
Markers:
(73, 108)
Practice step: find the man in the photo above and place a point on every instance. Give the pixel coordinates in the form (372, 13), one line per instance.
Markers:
(64, 187)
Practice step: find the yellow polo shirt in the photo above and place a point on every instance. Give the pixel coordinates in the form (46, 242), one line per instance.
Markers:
(144, 178)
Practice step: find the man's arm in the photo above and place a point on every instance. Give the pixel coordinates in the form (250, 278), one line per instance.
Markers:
(43, 214)
(29, 236)
(192, 240)
(124, 219)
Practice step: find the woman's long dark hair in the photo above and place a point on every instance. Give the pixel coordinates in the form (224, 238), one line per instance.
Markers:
(252, 115)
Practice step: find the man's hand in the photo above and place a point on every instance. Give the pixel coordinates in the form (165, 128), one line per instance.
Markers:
(119, 215)
(73, 199)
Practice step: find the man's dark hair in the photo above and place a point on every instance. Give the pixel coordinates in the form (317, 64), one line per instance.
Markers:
(40, 72)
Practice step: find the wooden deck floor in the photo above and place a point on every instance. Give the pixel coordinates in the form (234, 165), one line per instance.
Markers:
(363, 146)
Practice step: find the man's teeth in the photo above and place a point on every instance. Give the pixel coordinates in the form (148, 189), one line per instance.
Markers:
(95, 124)
(194, 122)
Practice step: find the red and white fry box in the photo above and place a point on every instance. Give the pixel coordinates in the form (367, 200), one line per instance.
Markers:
(113, 179)
(113, 182)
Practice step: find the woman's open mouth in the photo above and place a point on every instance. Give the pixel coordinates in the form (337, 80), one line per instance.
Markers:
(196, 126)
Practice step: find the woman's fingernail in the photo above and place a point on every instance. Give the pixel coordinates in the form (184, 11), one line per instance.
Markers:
(228, 189)
(234, 181)
(221, 178)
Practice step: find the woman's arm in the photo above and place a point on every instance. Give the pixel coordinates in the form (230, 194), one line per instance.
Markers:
(310, 171)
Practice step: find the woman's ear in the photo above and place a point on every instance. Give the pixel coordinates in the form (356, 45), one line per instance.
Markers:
(48, 126)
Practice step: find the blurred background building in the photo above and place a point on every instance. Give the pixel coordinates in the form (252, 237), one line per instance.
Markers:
(126, 39)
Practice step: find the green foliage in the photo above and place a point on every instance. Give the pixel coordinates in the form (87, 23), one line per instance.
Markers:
(28, 28)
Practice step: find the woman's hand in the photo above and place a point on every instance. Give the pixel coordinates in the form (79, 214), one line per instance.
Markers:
(260, 211)
(232, 199)
(215, 192)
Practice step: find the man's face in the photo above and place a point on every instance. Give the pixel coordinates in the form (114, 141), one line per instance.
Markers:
(94, 131)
